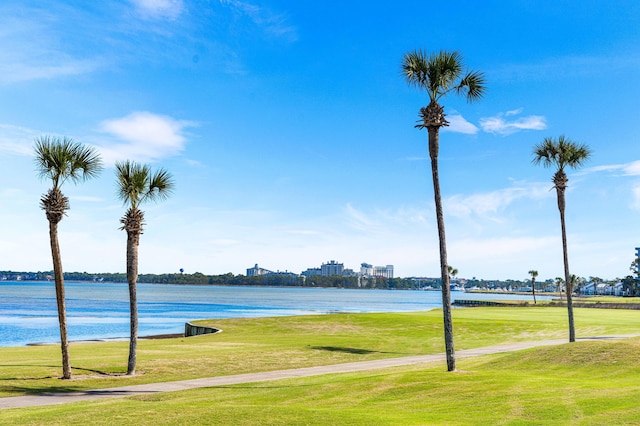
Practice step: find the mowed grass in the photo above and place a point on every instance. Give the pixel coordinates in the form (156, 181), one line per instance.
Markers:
(582, 383)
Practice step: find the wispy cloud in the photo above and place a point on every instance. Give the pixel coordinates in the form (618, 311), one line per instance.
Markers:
(16, 139)
(159, 9)
(488, 204)
(273, 24)
(626, 169)
(383, 220)
(30, 50)
(143, 136)
(43, 67)
(567, 66)
(359, 220)
(501, 123)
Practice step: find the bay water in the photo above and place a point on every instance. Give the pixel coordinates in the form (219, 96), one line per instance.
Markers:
(28, 310)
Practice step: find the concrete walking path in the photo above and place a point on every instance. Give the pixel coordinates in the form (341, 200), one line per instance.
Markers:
(152, 388)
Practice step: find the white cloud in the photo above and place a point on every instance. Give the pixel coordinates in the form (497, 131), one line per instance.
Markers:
(514, 112)
(458, 124)
(488, 204)
(143, 136)
(627, 169)
(500, 125)
(167, 9)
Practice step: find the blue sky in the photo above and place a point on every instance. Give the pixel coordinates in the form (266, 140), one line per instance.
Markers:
(288, 128)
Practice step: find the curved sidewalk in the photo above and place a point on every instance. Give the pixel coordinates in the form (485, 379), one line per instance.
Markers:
(151, 388)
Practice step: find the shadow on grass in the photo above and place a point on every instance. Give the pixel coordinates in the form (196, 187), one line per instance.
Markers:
(343, 349)
(61, 386)
(39, 390)
(356, 351)
(73, 369)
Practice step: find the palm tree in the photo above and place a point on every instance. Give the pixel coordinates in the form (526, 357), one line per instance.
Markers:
(559, 281)
(137, 184)
(561, 153)
(533, 274)
(62, 159)
(453, 272)
(439, 74)
(596, 281)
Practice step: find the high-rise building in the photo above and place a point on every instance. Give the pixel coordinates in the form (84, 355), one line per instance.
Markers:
(331, 268)
(366, 270)
(383, 271)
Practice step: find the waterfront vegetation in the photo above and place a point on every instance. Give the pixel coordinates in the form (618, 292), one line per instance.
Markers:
(586, 382)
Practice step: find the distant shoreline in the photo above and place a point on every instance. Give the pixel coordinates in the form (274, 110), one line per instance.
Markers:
(115, 339)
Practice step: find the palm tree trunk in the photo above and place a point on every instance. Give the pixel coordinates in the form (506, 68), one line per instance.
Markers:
(62, 311)
(533, 289)
(565, 254)
(444, 273)
(133, 240)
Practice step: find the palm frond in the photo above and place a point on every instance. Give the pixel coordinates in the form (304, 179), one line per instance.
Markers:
(161, 186)
(440, 73)
(472, 86)
(415, 68)
(131, 180)
(561, 153)
(61, 159)
(136, 183)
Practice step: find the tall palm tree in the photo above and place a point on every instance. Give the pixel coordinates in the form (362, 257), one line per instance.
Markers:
(137, 184)
(62, 159)
(440, 74)
(533, 274)
(562, 153)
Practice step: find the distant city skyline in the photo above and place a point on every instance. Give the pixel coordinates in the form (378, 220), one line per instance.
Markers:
(330, 268)
(289, 130)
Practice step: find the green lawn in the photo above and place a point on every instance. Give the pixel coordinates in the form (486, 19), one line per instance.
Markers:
(581, 383)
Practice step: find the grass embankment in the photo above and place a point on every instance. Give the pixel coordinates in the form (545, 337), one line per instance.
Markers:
(585, 382)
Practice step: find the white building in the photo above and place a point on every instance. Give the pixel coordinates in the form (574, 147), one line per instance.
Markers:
(257, 271)
(370, 271)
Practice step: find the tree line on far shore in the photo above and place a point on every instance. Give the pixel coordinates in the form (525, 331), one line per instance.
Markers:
(197, 278)
(631, 284)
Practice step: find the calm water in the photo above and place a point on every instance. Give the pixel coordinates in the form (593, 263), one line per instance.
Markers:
(28, 311)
